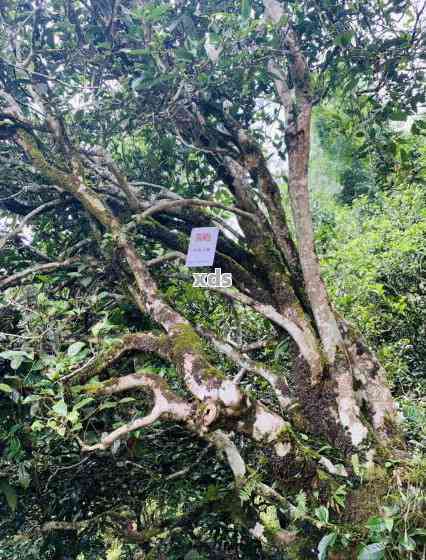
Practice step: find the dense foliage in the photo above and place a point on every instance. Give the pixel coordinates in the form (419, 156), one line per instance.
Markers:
(123, 126)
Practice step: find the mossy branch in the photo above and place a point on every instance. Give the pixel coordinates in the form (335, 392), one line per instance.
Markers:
(143, 342)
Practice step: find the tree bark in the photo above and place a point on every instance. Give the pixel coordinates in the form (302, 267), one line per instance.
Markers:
(351, 379)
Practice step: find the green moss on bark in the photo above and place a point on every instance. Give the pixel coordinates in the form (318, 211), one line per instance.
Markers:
(183, 340)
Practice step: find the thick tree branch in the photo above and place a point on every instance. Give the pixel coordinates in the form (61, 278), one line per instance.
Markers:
(254, 161)
(225, 445)
(297, 138)
(166, 405)
(301, 334)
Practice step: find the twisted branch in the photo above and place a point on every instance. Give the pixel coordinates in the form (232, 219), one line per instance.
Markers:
(166, 404)
(278, 384)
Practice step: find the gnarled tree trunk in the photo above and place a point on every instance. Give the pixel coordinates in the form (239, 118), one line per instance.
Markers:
(337, 388)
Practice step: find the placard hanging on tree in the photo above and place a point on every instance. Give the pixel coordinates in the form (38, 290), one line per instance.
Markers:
(202, 246)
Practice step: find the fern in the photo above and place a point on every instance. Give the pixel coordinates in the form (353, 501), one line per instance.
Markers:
(301, 507)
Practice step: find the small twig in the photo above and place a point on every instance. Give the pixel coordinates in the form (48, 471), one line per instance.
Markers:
(35, 252)
(78, 246)
(41, 268)
(257, 345)
(198, 149)
(16, 335)
(162, 188)
(50, 78)
(184, 471)
(84, 460)
(64, 526)
(77, 371)
(240, 375)
(12, 195)
(40, 209)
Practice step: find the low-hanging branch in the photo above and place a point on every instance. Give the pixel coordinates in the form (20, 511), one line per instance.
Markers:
(227, 448)
(166, 405)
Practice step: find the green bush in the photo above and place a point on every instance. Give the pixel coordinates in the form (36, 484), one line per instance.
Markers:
(374, 260)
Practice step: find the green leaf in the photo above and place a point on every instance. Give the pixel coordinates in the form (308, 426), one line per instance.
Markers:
(73, 416)
(245, 9)
(107, 405)
(137, 83)
(355, 464)
(344, 39)
(419, 533)
(16, 357)
(398, 116)
(60, 408)
(325, 542)
(37, 426)
(376, 524)
(82, 403)
(5, 388)
(86, 282)
(322, 514)
(93, 386)
(31, 399)
(375, 551)
(135, 52)
(10, 494)
(300, 510)
(154, 13)
(24, 476)
(75, 348)
(388, 521)
(101, 326)
(16, 362)
(408, 543)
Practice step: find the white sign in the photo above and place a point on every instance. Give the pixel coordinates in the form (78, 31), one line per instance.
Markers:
(202, 246)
